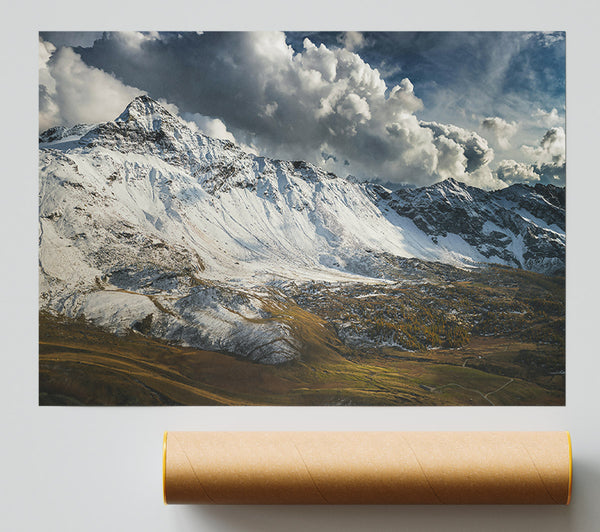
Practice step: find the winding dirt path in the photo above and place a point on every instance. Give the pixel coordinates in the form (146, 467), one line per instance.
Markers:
(485, 396)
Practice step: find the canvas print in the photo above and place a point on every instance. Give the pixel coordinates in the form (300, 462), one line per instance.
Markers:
(288, 218)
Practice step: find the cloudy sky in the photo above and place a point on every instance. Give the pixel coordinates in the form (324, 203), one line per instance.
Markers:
(486, 108)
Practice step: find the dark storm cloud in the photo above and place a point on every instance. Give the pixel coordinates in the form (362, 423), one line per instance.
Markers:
(475, 148)
(345, 100)
(554, 173)
(71, 38)
(225, 75)
(294, 101)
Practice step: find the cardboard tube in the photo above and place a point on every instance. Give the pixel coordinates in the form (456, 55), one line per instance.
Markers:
(367, 467)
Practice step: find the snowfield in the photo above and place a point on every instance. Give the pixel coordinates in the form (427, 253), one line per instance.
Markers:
(147, 225)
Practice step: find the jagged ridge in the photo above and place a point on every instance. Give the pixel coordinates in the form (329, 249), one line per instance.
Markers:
(147, 224)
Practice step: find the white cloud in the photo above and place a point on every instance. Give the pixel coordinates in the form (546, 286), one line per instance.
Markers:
(72, 92)
(547, 162)
(486, 179)
(354, 108)
(270, 109)
(552, 148)
(49, 113)
(547, 118)
(511, 171)
(321, 60)
(451, 159)
(352, 40)
(171, 107)
(463, 155)
(502, 130)
(212, 127)
(404, 96)
(45, 51)
(475, 148)
(332, 97)
(550, 156)
(549, 38)
(135, 39)
(554, 144)
(215, 128)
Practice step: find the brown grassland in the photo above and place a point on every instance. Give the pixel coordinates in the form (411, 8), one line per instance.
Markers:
(83, 365)
(439, 336)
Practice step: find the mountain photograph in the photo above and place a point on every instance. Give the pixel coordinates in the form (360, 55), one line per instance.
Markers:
(287, 218)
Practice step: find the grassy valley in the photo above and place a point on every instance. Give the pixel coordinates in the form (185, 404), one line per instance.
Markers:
(443, 337)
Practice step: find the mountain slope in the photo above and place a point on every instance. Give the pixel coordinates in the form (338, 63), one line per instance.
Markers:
(147, 225)
(519, 226)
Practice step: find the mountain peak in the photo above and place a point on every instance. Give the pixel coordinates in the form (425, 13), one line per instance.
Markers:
(146, 113)
(451, 184)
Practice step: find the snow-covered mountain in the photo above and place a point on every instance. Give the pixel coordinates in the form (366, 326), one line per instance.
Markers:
(146, 224)
(519, 226)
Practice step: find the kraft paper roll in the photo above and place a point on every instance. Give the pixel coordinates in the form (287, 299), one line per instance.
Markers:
(367, 467)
